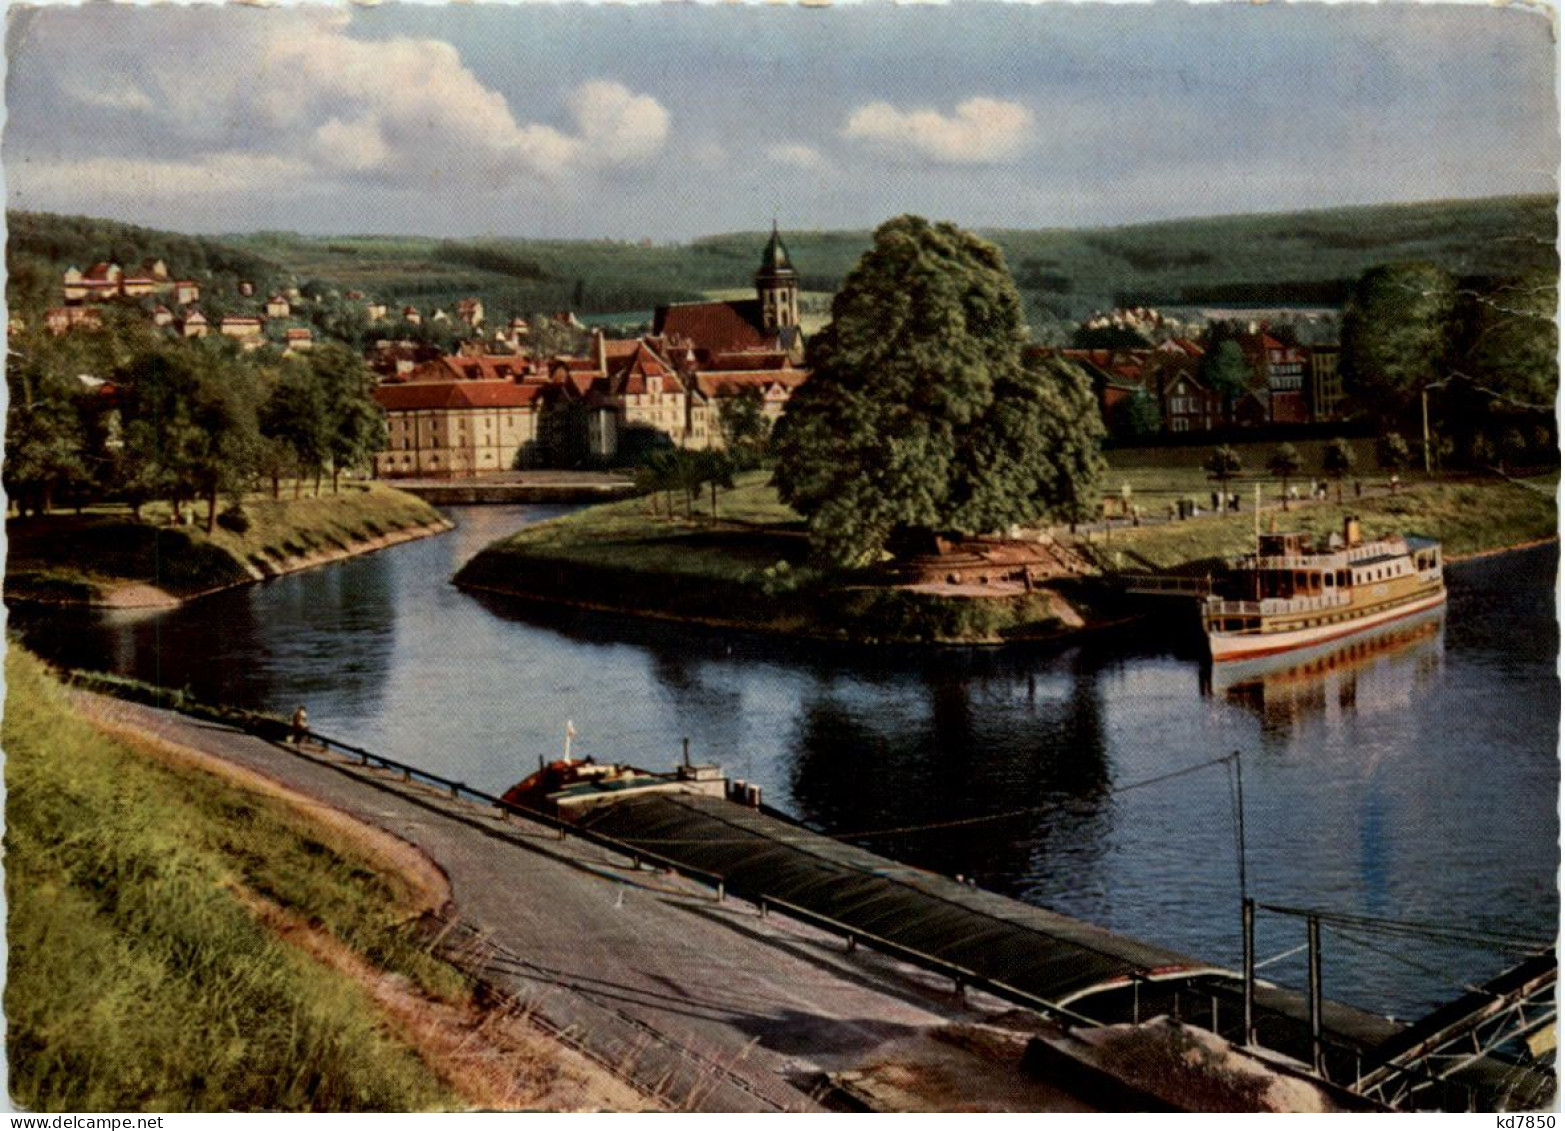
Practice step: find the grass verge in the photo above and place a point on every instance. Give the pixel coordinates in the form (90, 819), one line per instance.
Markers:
(1468, 517)
(141, 977)
(68, 558)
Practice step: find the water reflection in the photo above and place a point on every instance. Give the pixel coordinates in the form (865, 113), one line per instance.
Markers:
(1373, 673)
(925, 773)
(1374, 782)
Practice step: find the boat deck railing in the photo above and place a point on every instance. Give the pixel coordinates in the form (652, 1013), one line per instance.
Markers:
(1276, 606)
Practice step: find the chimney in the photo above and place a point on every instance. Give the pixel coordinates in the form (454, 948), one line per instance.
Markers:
(600, 351)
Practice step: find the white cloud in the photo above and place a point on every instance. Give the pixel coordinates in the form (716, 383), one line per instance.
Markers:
(982, 131)
(400, 111)
(803, 156)
(617, 127)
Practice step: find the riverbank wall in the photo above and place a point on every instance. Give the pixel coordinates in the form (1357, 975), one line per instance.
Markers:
(524, 488)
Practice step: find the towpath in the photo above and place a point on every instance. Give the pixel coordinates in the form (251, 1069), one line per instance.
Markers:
(701, 1004)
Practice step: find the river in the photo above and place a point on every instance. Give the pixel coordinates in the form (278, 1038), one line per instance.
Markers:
(1417, 782)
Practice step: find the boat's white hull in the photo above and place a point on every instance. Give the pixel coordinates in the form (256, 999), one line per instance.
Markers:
(1227, 646)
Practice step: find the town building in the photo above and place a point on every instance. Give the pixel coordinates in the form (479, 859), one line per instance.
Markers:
(298, 339)
(470, 311)
(138, 285)
(478, 411)
(411, 316)
(186, 291)
(443, 426)
(242, 327)
(1325, 383)
(277, 307)
(63, 319)
(769, 322)
(162, 316)
(195, 324)
(1283, 365)
(98, 282)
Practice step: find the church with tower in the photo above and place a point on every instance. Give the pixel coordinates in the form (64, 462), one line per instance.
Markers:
(768, 323)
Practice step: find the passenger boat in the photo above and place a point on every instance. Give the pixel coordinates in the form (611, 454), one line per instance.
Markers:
(1290, 594)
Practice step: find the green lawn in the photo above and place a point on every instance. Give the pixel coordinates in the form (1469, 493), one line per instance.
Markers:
(138, 978)
(751, 570)
(625, 535)
(1466, 516)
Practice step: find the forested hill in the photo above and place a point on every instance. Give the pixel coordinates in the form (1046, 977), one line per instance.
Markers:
(41, 245)
(1305, 258)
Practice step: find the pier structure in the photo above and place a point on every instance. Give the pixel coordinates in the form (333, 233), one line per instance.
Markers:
(1081, 975)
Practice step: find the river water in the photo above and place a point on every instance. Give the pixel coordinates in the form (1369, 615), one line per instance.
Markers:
(1415, 782)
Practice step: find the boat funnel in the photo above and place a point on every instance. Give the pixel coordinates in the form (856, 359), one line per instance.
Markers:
(1352, 535)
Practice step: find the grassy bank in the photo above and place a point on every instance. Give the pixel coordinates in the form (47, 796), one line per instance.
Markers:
(141, 975)
(751, 568)
(1467, 517)
(94, 556)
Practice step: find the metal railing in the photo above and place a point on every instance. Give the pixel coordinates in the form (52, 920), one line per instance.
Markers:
(1274, 606)
(962, 977)
(279, 732)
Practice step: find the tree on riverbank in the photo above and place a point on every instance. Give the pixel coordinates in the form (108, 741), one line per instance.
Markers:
(1284, 463)
(920, 414)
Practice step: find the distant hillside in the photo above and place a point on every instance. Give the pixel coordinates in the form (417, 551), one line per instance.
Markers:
(1299, 258)
(41, 245)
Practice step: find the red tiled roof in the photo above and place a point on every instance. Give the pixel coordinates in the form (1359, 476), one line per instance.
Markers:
(727, 383)
(715, 326)
(771, 360)
(631, 374)
(416, 395)
(479, 368)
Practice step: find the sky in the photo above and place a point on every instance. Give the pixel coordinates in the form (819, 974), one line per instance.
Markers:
(668, 121)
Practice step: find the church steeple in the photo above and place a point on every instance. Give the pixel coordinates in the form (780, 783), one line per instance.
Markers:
(777, 285)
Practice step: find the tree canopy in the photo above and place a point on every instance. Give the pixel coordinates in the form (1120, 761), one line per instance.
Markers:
(921, 415)
(1396, 335)
(1227, 371)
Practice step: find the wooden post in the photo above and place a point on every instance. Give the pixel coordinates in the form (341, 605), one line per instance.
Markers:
(1247, 917)
(1317, 1049)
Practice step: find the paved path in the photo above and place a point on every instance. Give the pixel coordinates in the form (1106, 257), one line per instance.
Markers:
(700, 1002)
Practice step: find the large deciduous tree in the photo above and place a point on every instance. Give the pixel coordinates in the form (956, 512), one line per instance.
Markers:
(1396, 336)
(920, 414)
(355, 426)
